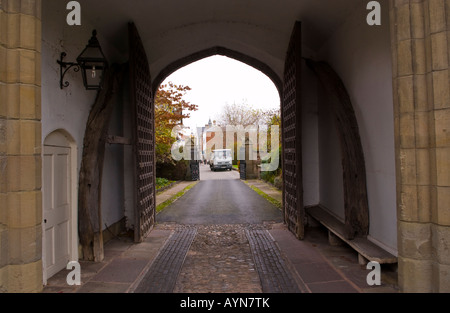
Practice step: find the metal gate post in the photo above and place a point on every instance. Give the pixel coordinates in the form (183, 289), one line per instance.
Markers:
(243, 170)
(195, 170)
(194, 163)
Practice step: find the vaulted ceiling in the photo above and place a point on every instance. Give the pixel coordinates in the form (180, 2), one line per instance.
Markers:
(173, 29)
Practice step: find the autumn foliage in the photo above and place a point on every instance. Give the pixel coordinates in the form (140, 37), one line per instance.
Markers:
(170, 110)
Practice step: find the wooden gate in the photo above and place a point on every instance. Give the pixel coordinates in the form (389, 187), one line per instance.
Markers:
(291, 118)
(353, 163)
(142, 108)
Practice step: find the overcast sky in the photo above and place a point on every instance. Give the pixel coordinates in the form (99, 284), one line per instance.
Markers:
(217, 81)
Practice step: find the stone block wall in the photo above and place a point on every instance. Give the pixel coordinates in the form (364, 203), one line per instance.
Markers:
(20, 146)
(420, 51)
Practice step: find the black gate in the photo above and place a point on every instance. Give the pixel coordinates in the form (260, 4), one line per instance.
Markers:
(291, 118)
(243, 170)
(195, 170)
(142, 107)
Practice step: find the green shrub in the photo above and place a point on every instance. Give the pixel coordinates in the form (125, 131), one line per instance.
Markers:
(275, 178)
(278, 182)
(162, 182)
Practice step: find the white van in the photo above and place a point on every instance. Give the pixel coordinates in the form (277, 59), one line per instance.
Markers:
(221, 159)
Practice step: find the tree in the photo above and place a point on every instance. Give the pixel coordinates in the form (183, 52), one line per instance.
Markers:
(244, 115)
(274, 177)
(170, 110)
(274, 119)
(241, 114)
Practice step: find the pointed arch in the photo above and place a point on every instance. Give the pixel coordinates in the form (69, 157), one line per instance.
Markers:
(238, 56)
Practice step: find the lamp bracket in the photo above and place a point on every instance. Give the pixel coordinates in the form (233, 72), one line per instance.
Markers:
(64, 67)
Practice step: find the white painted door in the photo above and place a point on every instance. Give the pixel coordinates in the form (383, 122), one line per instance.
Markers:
(56, 213)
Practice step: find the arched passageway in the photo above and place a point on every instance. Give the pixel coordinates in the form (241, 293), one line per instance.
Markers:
(263, 44)
(354, 172)
(336, 32)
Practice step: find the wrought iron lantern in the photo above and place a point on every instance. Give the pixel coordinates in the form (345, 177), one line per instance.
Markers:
(91, 62)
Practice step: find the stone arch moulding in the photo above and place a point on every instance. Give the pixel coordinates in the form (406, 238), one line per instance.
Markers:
(238, 56)
(353, 163)
(59, 134)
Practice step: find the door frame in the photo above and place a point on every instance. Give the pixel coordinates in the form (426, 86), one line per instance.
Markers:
(61, 138)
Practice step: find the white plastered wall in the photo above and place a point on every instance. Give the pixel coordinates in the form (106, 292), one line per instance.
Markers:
(361, 56)
(68, 109)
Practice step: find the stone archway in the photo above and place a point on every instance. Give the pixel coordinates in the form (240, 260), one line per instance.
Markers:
(357, 216)
(222, 51)
(253, 62)
(420, 56)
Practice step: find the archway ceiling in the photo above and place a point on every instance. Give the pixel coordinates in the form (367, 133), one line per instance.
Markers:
(173, 29)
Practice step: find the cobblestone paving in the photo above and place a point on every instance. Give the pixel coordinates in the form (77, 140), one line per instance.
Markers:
(238, 258)
(219, 261)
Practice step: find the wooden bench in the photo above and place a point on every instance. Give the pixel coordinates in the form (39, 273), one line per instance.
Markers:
(367, 250)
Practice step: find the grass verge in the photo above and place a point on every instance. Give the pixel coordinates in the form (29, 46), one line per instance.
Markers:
(275, 202)
(168, 202)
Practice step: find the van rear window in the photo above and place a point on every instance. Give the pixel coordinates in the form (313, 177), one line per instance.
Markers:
(222, 154)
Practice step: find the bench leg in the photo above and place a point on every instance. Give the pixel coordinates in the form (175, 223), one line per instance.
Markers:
(334, 240)
(362, 260)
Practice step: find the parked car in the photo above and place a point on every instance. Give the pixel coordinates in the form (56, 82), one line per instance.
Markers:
(221, 159)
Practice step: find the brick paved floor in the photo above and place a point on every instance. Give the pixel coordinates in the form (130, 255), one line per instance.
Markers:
(234, 258)
(275, 275)
(240, 258)
(162, 275)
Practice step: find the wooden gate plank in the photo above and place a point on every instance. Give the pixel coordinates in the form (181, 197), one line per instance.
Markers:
(291, 137)
(142, 107)
(353, 163)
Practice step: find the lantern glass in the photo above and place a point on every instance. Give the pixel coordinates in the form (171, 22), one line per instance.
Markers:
(93, 64)
(92, 74)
